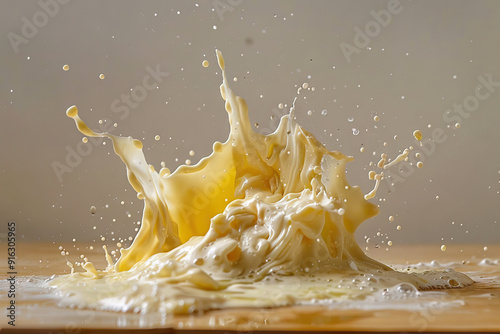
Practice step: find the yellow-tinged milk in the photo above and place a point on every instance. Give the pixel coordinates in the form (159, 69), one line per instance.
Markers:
(270, 208)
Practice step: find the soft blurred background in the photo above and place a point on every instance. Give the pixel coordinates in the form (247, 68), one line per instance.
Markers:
(411, 62)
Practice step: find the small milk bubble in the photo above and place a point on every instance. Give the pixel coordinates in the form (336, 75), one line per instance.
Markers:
(157, 137)
(191, 153)
(66, 67)
(443, 247)
(205, 63)
(93, 210)
(102, 76)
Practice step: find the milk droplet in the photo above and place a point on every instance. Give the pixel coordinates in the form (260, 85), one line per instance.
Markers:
(443, 247)
(420, 164)
(355, 131)
(205, 63)
(85, 140)
(157, 137)
(391, 218)
(485, 248)
(191, 153)
(457, 125)
(188, 162)
(93, 210)
(376, 118)
(102, 76)
(417, 134)
(389, 243)
(66, 67)
(398, 228)
(324, 112)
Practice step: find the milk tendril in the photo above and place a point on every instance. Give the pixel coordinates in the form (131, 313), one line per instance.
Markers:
(265, 220)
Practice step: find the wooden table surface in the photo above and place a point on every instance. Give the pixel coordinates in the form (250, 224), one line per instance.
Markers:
(480, 312)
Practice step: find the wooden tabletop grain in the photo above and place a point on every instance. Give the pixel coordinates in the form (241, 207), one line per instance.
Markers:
(37, 312)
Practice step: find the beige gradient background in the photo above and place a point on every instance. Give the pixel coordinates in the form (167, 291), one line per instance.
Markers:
(432, 53)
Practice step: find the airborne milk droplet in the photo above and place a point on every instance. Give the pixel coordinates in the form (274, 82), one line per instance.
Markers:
(417, 134)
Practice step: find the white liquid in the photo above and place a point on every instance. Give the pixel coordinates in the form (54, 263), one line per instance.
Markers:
(265, 220)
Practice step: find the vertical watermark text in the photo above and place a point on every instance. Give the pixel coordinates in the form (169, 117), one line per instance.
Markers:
(11, 273)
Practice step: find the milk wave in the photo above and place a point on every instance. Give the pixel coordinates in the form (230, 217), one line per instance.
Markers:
(265, 220)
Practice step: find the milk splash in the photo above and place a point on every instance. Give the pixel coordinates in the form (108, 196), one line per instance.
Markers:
(265, 220)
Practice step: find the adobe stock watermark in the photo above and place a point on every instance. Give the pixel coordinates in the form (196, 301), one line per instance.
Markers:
(373, 28)
(120, 106)
(454, 117)
(31, 27)
(223, 6)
